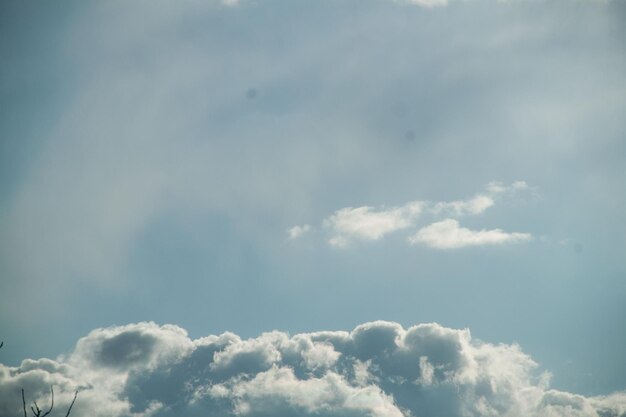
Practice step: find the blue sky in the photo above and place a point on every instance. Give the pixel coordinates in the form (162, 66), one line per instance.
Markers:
(307, 166)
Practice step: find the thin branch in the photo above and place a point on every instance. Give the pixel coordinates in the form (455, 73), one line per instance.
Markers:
(52, 403)
(24, 403)
(72, 404)
(37, 411)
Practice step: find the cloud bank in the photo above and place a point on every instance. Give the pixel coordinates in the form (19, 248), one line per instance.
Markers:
(379, 369)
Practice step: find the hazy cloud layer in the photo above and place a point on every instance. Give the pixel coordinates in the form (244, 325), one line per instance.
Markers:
(153, 157)
(379, 369)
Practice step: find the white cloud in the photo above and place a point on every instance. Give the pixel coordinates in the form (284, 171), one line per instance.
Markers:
(366, 223)
(279, 389)
(320, 355)
(447, 234)
(297, 231)
(379, 369)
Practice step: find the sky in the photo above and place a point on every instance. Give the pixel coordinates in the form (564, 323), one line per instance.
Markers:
(180, 179)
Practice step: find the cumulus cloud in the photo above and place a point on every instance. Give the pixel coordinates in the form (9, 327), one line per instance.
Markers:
(366, 223)
(379, 369)
(447, 234)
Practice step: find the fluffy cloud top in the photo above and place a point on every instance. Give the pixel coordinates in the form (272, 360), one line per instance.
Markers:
(447, 234)
(379, 369)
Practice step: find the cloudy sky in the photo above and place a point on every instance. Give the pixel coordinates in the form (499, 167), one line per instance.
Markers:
(180, 179)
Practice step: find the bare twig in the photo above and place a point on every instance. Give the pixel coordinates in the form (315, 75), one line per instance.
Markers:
(72, 404)
(37, 411)
(24, 403)
(52, 403)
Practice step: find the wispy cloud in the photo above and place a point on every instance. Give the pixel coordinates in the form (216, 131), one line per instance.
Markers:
(297, 231)
(480, 202)
(497, 187)
(447, 234)
(459, 208)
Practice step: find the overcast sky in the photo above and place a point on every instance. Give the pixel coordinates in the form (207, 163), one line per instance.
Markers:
(302, 166)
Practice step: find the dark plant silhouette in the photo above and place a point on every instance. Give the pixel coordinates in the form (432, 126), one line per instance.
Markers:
(35, 408)
(37, 412)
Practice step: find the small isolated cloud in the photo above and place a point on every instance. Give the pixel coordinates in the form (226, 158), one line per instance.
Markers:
(366, 223)
(297, 231)
(497, 187)
(447, 234)
(379, 369)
